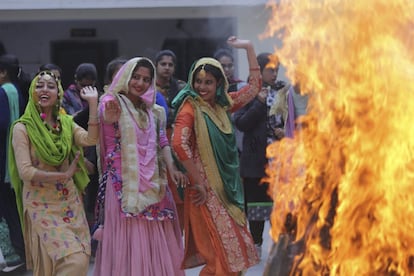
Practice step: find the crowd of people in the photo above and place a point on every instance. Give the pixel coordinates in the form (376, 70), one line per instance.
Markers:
(150, 176)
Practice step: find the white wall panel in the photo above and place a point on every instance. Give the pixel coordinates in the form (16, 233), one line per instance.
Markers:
(87, 4)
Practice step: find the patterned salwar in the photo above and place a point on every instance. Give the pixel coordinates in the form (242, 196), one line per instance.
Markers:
(54, 218)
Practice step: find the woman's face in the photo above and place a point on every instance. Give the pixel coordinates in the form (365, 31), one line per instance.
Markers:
(205, 86)
(228, 66)
(139, 83)
(46, 91)
(165, 67)
(269, 74)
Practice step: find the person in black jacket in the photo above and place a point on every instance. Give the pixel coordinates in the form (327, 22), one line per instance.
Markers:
(259, 130)
(12, 104)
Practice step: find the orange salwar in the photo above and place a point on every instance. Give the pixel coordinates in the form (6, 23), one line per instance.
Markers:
(205, 242)
(212, 236)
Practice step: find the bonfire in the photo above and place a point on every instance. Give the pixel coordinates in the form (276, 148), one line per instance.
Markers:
(343, 187)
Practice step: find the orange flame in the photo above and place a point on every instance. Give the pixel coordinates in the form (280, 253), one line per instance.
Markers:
(348, 175)
(273, 61)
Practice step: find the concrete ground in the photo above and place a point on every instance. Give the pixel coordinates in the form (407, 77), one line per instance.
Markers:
(253, 271)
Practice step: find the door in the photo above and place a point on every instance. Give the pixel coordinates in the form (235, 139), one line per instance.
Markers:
(69, 54)
(188, 50)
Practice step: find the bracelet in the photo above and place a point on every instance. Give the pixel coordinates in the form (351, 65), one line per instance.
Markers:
(93, 117)
(93, 124)
(257, 68)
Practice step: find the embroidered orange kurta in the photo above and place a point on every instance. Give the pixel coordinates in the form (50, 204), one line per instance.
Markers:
(212, 236)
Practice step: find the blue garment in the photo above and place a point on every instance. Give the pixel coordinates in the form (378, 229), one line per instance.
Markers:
(160, 100)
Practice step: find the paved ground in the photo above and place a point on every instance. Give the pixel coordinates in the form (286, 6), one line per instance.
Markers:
(253, 271)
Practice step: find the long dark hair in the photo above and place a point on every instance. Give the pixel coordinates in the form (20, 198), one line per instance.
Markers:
(145, 63)
(223, 52)
(164, 53)
(10, 64)
(112, 67)
(50, 67)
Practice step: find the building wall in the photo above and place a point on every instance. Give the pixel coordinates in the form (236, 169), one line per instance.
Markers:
(251, 23)
(30, 41)
(28, 33)
(108, 4)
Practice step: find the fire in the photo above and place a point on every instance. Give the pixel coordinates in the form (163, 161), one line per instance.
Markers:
(273, 61)
(348, 176)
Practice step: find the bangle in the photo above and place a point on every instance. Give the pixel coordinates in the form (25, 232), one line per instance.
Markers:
(257, 68)
(93, 117)
(93, 124)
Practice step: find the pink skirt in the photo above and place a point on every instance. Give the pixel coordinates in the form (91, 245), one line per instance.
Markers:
(133, 246)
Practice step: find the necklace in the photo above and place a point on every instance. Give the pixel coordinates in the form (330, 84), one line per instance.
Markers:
(55, 128)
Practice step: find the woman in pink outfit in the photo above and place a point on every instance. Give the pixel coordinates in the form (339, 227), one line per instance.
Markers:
(139, 232)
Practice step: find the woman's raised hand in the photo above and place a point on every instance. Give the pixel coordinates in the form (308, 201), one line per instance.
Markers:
(89, 93)
(112, 111)
(238, 43)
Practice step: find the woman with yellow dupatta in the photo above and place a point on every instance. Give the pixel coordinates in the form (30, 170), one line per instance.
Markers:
(216, 233)
(48, 175)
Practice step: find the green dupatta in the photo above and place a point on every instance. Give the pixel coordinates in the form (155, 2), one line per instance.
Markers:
(216, 142)
(51, 148)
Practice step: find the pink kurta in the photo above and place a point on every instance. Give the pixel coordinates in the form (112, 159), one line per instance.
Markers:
(149, 243)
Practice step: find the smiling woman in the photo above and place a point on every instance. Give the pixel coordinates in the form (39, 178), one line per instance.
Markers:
(46, 165)
(141, 80)
(137, 215)
(206, 82)
(204, 142)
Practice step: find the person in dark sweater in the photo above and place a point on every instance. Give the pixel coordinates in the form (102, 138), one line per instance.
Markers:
(12, 105)
(259, 129)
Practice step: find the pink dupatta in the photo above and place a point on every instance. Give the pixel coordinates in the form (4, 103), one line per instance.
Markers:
(139, 175)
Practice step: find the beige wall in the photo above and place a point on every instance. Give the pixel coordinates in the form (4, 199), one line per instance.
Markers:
(28, 32)
(30, 41)
(92, 4)
(251, 23)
